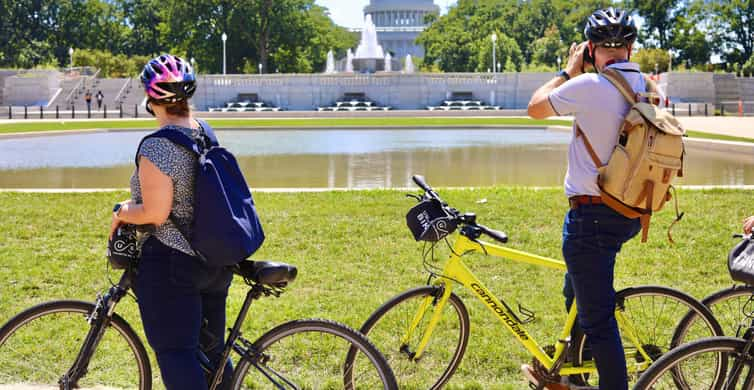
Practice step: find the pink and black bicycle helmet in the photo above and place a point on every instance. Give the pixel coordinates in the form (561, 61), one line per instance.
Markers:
(611, 27)
(169, 79)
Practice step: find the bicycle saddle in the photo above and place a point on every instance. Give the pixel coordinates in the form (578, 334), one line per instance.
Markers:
(266, 272)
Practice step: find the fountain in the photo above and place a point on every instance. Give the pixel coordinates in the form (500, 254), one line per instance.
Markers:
(388, 63)
(369, 56)
(409, 67)
(368, 47)
(349, 61)
(330, 62)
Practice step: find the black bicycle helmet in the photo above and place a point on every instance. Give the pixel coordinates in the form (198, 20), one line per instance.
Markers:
(612, 27)
(122, 247)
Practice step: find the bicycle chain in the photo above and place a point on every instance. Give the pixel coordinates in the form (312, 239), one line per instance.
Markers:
(540, 371)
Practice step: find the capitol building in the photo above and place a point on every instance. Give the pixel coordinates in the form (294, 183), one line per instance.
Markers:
(399, 23)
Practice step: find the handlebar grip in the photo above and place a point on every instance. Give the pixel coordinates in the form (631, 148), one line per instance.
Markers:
(419, 180)
(495, 234)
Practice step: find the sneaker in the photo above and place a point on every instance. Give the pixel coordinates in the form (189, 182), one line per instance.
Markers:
(535, 380)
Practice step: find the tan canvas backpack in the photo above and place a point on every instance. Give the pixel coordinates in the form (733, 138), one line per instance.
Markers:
(648, 155)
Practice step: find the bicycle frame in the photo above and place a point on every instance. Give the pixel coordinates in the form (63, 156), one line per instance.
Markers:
(455, 270)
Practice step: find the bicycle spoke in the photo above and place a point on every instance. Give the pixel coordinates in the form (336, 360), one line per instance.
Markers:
(43, 347)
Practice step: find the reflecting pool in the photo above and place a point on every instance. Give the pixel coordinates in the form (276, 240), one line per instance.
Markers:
(343, 158)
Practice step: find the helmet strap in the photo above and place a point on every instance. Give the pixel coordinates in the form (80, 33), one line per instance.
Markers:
(149, 108)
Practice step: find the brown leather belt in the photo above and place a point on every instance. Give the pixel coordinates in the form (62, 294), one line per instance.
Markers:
(580, 200)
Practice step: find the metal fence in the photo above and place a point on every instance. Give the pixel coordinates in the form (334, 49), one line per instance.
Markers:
(73, 112)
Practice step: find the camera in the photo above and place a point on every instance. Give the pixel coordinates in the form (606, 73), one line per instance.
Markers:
(588, 57)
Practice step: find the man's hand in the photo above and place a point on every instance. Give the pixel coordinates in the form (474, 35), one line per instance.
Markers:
(576, 64)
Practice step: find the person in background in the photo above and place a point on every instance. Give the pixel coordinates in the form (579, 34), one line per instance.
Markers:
(88, 99)
(100, 97)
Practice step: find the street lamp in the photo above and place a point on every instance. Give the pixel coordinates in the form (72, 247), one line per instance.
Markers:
(193, 64)
(558, 59)
(224, 37)
(260, 68)
(494, 41)
(498, 67)
(70, 54)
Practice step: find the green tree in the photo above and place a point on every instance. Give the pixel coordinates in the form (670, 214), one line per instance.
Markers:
(507, 54)
(549, 48)
(659, 20)
(748, 67)
(733, 21)
(651, 59)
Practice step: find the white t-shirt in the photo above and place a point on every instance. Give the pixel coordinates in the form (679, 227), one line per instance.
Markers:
(599, 108)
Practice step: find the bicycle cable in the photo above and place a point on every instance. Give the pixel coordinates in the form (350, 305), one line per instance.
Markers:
(748, 311)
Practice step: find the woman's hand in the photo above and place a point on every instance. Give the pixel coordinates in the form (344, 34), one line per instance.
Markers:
(115, 222)
(748, 224)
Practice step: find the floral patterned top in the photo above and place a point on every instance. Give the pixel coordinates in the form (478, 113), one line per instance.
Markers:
(179, 164)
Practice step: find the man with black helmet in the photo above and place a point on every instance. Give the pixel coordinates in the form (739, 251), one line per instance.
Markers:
(593, 233)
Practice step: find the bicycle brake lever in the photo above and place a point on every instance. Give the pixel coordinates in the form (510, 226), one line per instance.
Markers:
(417, 197)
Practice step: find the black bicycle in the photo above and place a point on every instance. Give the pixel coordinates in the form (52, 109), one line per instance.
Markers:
(71, 344)
(713, 362)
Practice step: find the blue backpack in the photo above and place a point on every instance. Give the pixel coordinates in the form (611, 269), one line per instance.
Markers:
(226, 227)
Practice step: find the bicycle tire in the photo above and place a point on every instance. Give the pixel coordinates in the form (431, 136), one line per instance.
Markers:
(401, 309)
(727, 306)
(40, 344)
(641, 308)
(718, 350)
(316, 362)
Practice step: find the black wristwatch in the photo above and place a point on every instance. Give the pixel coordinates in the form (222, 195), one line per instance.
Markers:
(116, 208)
(564, 75)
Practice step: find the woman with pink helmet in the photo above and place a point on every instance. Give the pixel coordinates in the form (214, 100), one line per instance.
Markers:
(181, 300)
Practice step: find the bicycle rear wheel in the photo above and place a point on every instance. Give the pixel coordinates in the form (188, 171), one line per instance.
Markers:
(727, 306)
(39, 345)
(309, 354)
(702, 364)
(390, 323)
(652, 314)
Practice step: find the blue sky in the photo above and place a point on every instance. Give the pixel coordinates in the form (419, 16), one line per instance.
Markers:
(350, 13)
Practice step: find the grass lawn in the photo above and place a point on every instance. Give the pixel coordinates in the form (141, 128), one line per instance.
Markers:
(20, 127)
(354, 251)
(23, 127)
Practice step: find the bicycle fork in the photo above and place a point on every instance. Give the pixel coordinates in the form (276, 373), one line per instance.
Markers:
(437, 300)
(99, 320)
(742, 359)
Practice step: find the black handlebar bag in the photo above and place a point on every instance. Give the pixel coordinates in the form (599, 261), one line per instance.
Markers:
(429, 221)
(741, 262)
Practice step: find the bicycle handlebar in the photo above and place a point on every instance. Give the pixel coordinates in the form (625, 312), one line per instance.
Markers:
(459, 217)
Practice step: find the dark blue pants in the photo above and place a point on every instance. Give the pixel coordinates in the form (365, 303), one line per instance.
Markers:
(176, 294)
(592, 237)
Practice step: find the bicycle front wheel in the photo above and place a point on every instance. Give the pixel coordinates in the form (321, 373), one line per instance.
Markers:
(650, 316)
(709, 363)
(39, 345)
(309, 354)
(390, 329)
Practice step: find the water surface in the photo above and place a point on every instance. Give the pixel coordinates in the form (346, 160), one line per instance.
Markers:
(344, 158)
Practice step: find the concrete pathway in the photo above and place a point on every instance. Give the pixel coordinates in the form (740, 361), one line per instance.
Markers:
(733, 126)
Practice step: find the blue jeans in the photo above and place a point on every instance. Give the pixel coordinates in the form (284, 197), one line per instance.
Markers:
(592, 237)
(176, 294)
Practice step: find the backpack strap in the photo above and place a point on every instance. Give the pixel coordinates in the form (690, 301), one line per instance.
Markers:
(174, 136)
(208, 131)
(617, 79)
(589, 148)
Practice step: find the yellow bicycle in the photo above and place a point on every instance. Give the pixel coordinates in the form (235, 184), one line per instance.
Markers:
(424, 331)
